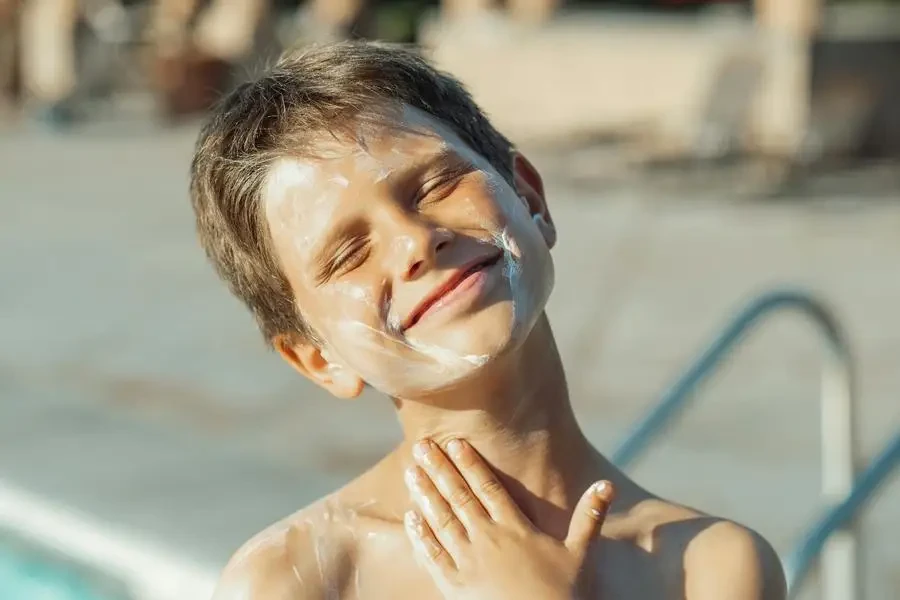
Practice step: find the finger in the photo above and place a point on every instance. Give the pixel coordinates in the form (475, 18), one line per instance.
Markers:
(426, 547)
(450, 484)
(590, 512)
(448, 529)
(484, 483)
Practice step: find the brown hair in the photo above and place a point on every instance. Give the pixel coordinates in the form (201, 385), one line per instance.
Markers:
(324, 90)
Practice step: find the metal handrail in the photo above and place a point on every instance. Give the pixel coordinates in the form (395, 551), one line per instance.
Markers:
(800, 562)
(838, 423)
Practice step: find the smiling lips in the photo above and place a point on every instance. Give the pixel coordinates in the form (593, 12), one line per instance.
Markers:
(461, 280)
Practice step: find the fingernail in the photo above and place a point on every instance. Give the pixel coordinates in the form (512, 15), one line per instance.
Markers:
(421, 450)
(455, 448)
(601, 488)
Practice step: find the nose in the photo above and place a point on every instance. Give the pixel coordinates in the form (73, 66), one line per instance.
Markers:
(415, 247)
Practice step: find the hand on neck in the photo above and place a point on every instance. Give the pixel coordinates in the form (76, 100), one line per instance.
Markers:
(518, 416)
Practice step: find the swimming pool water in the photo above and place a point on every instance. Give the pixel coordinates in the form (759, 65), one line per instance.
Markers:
(26, 574)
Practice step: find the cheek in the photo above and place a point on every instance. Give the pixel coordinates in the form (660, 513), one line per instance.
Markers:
(528, 267)
(373, 355)
(497, 208)
(355, 323)
(358, 345)
(478, 214)
(345, 302)
(349, 298)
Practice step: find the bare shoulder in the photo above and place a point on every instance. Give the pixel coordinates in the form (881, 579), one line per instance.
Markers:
(301, 557)
(728, 558)
(714, 557)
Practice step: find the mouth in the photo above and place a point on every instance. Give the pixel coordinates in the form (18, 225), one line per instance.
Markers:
(454, 285)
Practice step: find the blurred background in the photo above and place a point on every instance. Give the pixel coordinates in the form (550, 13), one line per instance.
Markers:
(696, 154)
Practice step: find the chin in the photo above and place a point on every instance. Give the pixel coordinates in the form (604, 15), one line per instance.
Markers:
(469, 353)
(454, 353)
(491, 332)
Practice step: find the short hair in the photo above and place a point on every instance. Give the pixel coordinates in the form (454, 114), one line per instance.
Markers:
(322, 91)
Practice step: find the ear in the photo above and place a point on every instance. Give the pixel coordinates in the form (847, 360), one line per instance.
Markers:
(314, 363)
(530, 187)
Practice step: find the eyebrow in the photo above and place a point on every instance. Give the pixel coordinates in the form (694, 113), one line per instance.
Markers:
(446, 159)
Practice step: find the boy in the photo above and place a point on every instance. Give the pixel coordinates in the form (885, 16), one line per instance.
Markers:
(383, 233)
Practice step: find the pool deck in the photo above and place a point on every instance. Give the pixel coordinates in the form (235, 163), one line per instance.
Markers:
(136, 396)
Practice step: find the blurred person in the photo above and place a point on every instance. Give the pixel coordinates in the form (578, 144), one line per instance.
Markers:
(188, 78)
(199, 47)
(9, 49)
(383, 233)
(326, 20)
(48, 58)
(527, 11)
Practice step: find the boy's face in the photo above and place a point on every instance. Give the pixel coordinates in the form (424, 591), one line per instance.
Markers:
(412, 258)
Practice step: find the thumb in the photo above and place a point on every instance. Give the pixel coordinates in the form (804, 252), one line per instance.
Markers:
(590, 512)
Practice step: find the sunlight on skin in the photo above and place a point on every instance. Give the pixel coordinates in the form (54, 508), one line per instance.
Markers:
(306, 199)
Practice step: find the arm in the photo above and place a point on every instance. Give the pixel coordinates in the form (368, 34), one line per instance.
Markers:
(730, 561)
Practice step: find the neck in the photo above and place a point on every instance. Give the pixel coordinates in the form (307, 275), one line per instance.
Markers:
(518, 416)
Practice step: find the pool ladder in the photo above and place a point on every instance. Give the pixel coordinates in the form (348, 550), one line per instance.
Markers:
(834, 536)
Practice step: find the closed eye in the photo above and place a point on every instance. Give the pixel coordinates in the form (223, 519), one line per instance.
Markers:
(353, 257)
(349, 257)
(439, 187)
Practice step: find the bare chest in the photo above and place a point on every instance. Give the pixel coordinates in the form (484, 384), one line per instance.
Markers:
(621, 571)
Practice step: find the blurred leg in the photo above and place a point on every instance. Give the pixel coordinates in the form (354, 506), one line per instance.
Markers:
(533, 11)
(782, 112)
(319, 21)
(227, 29)
(456, 9)
(169, 23)
(187, 79)
(9, 21)
(799, 18)
(48, 49)
(337, 14)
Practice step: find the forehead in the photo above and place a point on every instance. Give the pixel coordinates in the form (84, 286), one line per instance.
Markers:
(403, 138)
(310, 194)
